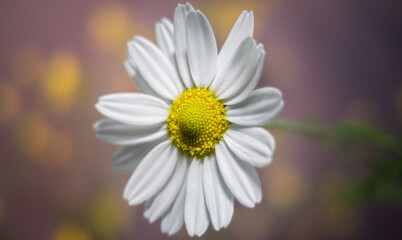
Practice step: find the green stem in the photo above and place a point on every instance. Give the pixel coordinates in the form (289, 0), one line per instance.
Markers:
(381, 152)
(344, 133)
(307, 128)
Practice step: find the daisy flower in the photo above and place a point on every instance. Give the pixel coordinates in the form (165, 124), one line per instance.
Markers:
(194, 136)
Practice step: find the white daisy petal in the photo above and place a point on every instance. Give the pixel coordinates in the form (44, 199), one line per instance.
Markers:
(147, 206)
(119, 133)
(180, 41)
(218, 198)
(130, 70)
(195, 210)
(258, 109)
(252, 82)
(164, 199)
(240, 177)
(201, 48)
(133, 108)
(155, 67)
(239, 70)
(152, 173)
(174, 219)
(254, 145)
(165, 38)
(127, 158)
(142, 85)
(244, 27)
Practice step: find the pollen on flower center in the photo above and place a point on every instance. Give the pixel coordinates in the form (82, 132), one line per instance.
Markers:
(197, 122)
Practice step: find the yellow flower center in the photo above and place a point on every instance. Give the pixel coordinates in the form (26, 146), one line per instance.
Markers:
(197, 122)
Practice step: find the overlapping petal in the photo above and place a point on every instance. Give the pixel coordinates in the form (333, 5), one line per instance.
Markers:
(138, 141)
(127, 158)
(232, 78)
(258, 109)
(251, 83)
(164, 199)
(254, 145)
(174, 219)
(165, 38)
(141, 83)
(243, 28)
(152, 173)
(240, 177)
(115, 132)
(155, 67)
(195, 211)
(133, 108)
(202, 50)
(218, 198)
(180, 41)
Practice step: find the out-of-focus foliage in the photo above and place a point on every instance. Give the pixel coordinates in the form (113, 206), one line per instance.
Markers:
(380, 151)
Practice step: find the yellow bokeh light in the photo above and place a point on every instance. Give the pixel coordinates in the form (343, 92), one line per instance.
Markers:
(331, 216)
(223, 15)
(285, 189)
(27, 65)
(110, 26)
(106, 216)
(32, 135)
(61, 82)
(69, 231)
(339, 208)
(10, 102)
(45, 145)
(59, 151)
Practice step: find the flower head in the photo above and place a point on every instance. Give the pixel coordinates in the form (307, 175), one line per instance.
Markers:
(194, 136)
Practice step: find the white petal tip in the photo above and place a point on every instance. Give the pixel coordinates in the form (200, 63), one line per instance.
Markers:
(151, 220)
(99, 107)
(263, 164)
(279, 93)
(146, 214)
(95, 126)
(133, 202)
(250, 205)
(217, 228)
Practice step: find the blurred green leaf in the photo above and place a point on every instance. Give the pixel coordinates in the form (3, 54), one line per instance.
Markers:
(379, 151)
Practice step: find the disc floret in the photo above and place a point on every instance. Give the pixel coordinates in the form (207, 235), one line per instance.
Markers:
(197, 122)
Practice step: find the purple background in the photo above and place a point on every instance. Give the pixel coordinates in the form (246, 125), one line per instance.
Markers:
(331, 59)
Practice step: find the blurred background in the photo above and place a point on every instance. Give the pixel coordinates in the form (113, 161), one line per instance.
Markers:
(333, 60)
